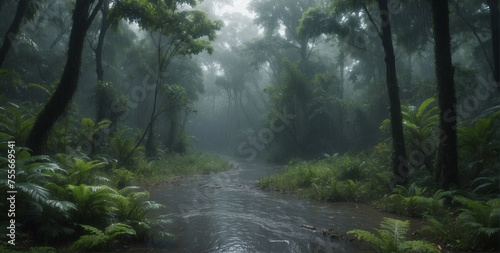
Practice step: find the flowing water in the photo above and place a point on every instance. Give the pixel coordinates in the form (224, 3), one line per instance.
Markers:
(225, 212)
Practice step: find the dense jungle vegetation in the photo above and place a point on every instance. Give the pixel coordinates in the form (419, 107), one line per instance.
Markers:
(393, 103)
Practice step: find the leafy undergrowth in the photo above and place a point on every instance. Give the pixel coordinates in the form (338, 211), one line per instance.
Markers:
(344, 178)
(456, 220)
(174, 165)
(86, 204)
(391, 237)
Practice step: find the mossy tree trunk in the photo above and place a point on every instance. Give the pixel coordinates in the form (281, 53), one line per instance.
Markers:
(64, 92)
(447, 167)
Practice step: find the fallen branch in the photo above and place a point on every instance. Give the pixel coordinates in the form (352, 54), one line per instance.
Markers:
(309, 227)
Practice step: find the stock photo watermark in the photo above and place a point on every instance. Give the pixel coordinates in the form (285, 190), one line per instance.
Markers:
(11, 192)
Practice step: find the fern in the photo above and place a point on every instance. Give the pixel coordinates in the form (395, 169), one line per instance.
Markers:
(420, 125)
(133, 208)
(122, 146)
(16, 122)
(44, 212)
(95, 204)
(482, 219)
(392, 238)
(102, 240)
(83, 172)
(479, 144)
(418, 246)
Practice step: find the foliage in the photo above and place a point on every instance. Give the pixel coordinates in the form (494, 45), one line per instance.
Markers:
(392, 238)
(480, 145)
(122, 146)
(345, 178)
(94, 204)
(132, 210)
(482, 219)
(171, 165)
(106, 97)
(42, 211)
(90, 129)
(188, 29)
(447, 230)
(11, 83)
(16, 122)
(102, 240)
(414, 201)
(420, 126)
(420, 123)
(83, 172)
(122, 177)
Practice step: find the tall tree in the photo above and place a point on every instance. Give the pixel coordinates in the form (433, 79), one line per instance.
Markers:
(495, 39)
(174, 32)
(22, 6)
(447, 167)
(399, 166)
(83, 15)
(316, 21)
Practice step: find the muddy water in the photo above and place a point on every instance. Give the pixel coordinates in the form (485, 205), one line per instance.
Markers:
(225, 212)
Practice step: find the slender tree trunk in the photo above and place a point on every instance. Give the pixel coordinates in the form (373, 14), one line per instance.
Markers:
(105, 23)
(341, 95)
(447, 167)
(61, 98)
(13, 29)
(151, 150)
(495, 39)
(399, 161)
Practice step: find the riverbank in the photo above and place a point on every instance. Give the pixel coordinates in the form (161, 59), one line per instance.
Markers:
(444, 215)
(173, 167)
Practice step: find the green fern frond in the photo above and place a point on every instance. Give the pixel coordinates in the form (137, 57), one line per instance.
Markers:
(34, 191)
(418, 247)
(397, 228)
(365, 235)
(392, 237)
(63, 206)
(116, 229)
(99, 239)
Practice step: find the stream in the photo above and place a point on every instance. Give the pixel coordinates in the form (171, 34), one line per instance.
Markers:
(226, 212)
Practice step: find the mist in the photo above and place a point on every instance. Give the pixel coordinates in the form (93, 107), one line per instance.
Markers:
(193, 111)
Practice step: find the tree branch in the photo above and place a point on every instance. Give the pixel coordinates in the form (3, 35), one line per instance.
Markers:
(371, 19)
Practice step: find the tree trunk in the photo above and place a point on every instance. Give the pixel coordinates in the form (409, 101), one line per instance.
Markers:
(447, 167)
(13, 29)
(61, 98)
(105, 23)
(399, 164)
(495, 39)
(151, 150)
(341, 95)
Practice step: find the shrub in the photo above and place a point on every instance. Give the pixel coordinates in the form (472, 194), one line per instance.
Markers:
(392, 238)
(482, 219)
(101, 240)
